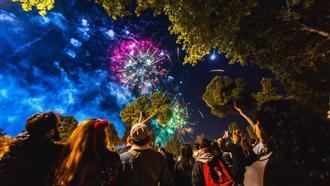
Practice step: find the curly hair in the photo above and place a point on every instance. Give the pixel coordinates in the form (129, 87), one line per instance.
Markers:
(297, 135)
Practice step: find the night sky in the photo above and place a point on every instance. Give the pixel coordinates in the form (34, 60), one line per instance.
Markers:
(60, 62)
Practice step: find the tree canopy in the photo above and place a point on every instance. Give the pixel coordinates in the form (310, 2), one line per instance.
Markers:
(113, 135)
(41, 5)
(69, 123)
(4, 142)
(145, 108)
(289, 37)
(223, 95)
(268, 92)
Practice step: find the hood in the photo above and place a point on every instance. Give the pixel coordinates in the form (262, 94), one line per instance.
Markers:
(203, 156)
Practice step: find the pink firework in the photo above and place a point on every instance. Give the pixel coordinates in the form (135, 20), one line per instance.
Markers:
(137, 64)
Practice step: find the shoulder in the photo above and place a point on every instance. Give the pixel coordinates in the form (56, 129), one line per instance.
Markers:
(125, 156)
(111, 156)
(154, 153)
(157, 156)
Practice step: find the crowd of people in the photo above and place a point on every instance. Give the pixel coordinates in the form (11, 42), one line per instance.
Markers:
(291, 149)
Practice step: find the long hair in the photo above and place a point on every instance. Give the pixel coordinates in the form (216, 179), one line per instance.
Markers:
(185, 165)
(187, 161)
(244, 142)
(85, 147)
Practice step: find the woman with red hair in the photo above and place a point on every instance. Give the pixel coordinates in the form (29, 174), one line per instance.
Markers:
(87, 160)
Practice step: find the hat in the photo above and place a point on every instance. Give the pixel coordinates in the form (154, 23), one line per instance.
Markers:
(139, 132)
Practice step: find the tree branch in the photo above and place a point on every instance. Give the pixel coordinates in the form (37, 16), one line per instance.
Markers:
(154, 114)
(314, 30)
(140, 117)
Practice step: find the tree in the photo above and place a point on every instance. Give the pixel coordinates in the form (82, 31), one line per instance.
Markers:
(113, 136)
(145, 108)
(268, 92)
(223, 96)
(200, 25)
(173, 146)
(292, 40)
(68, 125)
(41, 5)
(289, 37)
(5, 142)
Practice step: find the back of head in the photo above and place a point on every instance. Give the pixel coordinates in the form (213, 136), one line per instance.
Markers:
(204, 143)
(140, 134)
(40, 124)
(196, 146)
(186, 162)
(186, 151)
(286, 123)
(162, 150)
(86, 145)
(296, 134)
(215, 149)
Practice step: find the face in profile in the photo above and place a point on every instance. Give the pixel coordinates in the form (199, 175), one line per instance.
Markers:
(235, 137)
(54, 134)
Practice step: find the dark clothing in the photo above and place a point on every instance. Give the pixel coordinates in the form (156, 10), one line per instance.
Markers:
(198, 175)
(146, 168)
(106, 171)
(170, 160)
(182, 175)
(282, 173)
(29, 162)
(239, 160)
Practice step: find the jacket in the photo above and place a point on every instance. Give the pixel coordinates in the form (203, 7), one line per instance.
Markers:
(145, 167)
(29, 162)
(209, 170)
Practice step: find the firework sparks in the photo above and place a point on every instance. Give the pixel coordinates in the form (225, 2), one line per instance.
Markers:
(178, 125)
(201, 113)
(179, 119)
(137, 64)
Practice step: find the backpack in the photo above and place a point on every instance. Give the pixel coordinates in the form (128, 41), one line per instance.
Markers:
(225, 178)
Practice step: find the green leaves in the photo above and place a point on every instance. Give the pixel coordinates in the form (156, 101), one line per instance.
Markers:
(221, 94)
(43, 6)
(156, 106)
(146, 108)
(69, 124)
(199, 25)
(287, 38)
(268, 92)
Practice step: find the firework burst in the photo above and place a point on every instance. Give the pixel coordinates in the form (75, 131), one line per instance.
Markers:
(178, 125)
(137, 64)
